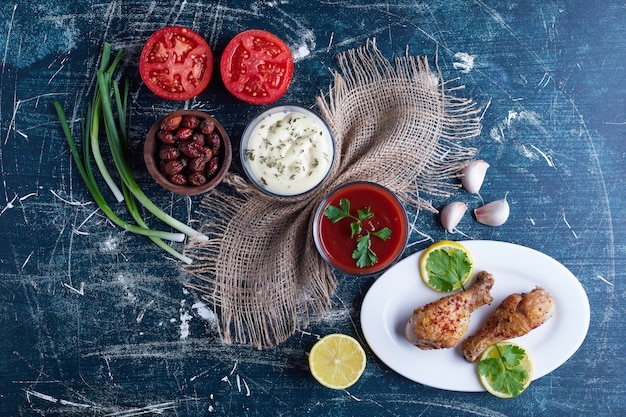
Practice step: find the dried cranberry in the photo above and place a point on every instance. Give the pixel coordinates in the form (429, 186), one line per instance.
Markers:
(168, 152)
(192, 149)
(171, 122)
(178, 179)
(212, 167)
(206, 126)
(190, 122)
(167, 137)
(197, 178)
(172, 167)
(184, 133)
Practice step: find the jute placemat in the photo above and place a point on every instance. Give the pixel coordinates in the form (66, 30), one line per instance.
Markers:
(398, 125)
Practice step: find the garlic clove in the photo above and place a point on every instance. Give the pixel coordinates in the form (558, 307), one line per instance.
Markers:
(452, 214)
(474, 175)
(495, 213)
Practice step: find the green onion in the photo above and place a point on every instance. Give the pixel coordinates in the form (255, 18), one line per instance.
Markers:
(117, 135)
(131, 203)
(121, 101)
(87, 174)
(94, 129)
(104, 83)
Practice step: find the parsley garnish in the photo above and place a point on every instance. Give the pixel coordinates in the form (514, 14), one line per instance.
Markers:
(249, 153)
(505, 372)
(363, 253)
(447, 269)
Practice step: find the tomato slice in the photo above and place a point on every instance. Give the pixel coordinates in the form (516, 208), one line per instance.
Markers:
(176, 63)
(257, 67)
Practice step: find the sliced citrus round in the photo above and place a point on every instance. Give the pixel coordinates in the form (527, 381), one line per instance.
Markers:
(337, 361)
(446, 266)
(505, 369)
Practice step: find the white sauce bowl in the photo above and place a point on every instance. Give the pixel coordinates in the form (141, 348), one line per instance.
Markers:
(287, 151)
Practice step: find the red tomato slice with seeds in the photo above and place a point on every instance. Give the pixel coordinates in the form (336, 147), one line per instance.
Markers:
(176, 63)
(257, 67)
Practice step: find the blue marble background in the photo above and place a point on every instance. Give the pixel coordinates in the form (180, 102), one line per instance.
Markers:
(94, 321)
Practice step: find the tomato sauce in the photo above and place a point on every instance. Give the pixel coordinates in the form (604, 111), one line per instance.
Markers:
(334, 240)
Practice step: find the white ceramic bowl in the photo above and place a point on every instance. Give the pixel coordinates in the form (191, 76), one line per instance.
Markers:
(287, 151)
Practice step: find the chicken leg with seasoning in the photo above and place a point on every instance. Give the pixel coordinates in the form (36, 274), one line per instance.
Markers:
(517, 315)
(443, 323)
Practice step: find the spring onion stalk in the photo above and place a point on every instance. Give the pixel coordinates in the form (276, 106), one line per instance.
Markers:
(111, 128)
(131, 203)
(121, 102)
(93, 130)
(121, 107)
(84, 168)
(117, 137)
(90, 126)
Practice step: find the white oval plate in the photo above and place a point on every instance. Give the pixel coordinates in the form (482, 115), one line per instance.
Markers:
(391, 300)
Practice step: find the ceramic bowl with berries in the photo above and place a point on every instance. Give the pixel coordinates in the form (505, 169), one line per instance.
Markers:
(187, 152)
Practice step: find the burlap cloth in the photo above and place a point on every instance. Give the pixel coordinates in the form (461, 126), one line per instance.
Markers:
(397, 125)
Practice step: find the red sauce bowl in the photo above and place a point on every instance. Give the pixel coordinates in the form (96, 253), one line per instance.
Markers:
(334, 241)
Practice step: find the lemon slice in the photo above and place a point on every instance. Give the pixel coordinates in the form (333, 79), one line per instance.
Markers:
(505, 369)
(337, 361)
(446, 266)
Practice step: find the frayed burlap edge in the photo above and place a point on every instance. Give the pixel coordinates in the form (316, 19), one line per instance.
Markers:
(427, 112)
(396, 125)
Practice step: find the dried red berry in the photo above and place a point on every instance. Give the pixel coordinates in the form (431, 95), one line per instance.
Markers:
(171, 122)
(187, 154)
(178, 179)
(214, 142)
(197, 178)
(212, 167)
(197, 164)
(172, 167)
(192, 149)
(166, 136)
(206, 126)
(184, 133)
(198, 137)
(208, 154)
(168, 152)
(189, 121)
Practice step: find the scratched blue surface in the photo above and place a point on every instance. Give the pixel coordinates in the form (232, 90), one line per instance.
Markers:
(93, 321)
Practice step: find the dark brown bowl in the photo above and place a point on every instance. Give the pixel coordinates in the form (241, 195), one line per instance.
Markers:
(153, 145)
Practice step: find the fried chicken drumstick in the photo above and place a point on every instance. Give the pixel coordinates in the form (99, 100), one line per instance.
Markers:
(517, 315)
(443, 323)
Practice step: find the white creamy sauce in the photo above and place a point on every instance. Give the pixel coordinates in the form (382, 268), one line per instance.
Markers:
(289, 152)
